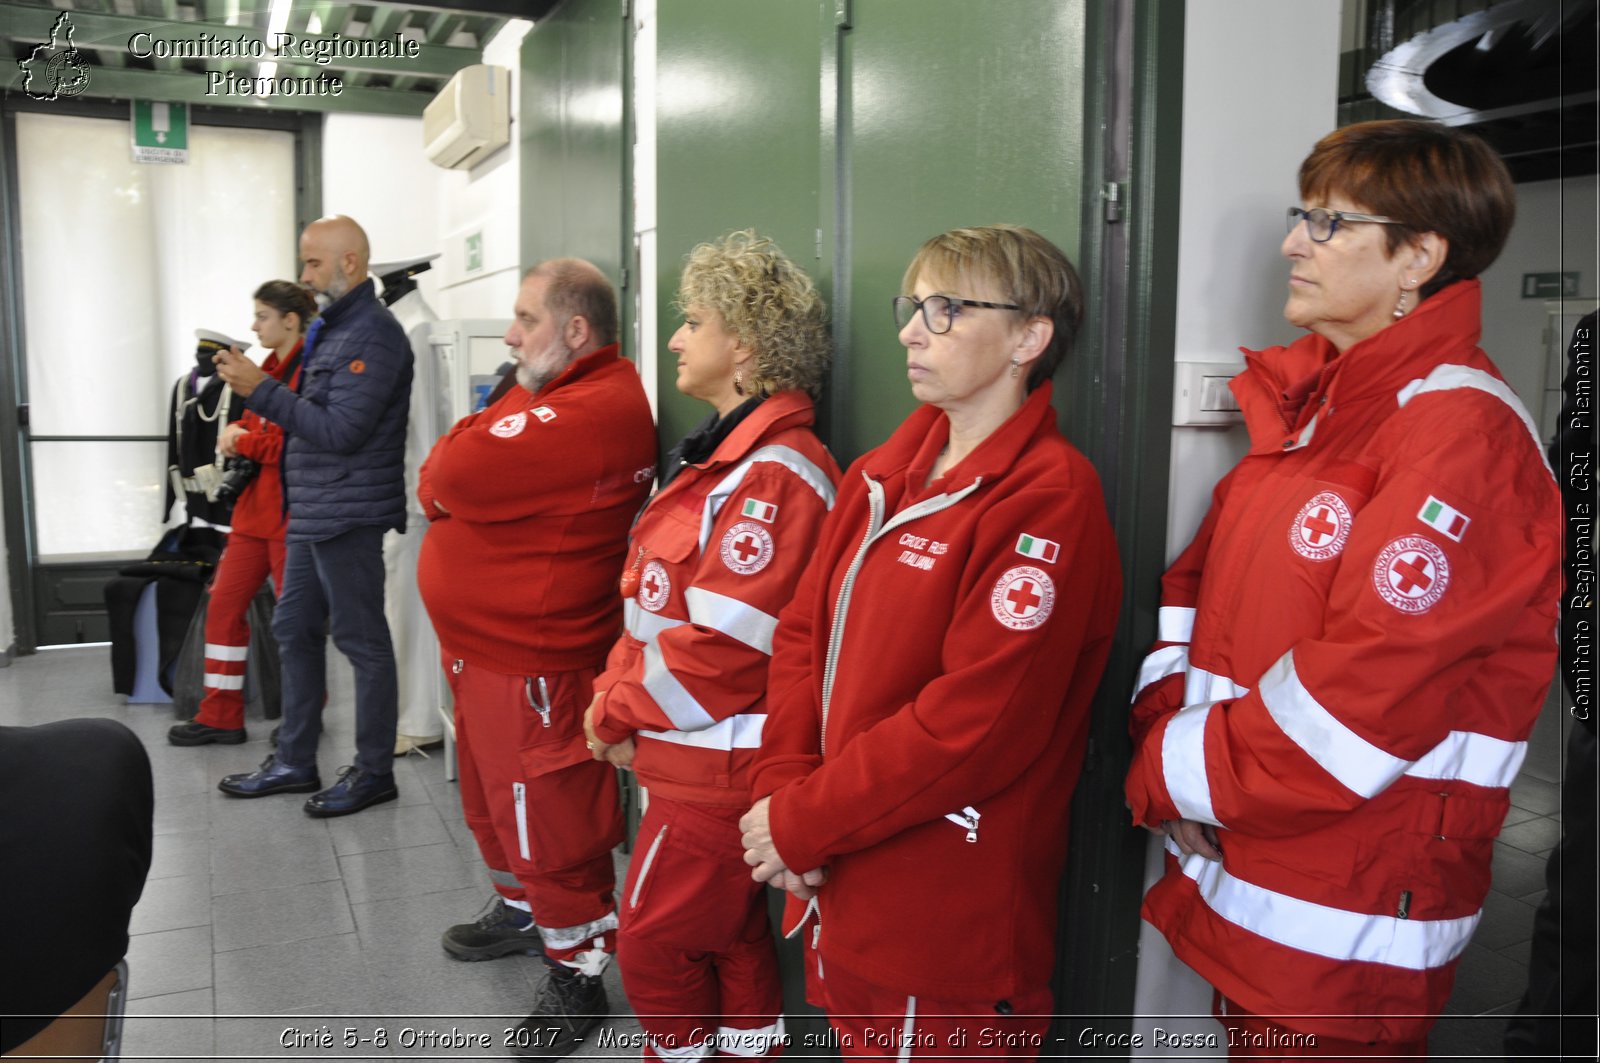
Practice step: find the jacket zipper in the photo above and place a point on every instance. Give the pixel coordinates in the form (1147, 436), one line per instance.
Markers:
(519, 798)
(542, 706)
(968, 817)
(841, 605)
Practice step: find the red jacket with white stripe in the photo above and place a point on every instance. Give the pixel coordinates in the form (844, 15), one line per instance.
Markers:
(530, 501)
(259, 511)
(1353, 652)
(929, 704)
(713, 557)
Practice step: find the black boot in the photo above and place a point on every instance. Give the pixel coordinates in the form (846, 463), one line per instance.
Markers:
(568, 1007)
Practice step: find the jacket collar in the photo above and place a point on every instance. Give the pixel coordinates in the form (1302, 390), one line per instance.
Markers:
(579, 368)
(1444, 326)
(786, 409)
(364, 292)
(915, 446)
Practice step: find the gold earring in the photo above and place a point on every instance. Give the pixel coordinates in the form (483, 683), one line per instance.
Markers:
(738, 381)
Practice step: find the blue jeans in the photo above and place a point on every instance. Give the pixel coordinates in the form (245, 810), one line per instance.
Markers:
(337, 585)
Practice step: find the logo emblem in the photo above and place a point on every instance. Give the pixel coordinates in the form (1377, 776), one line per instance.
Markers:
(1411, 574)
(1446, 520)
(509, 425)
(544, 413)
(746, 548)
(56, 69)
(654, 586)
(1022, 598)
(1321, 528)
(358, 366)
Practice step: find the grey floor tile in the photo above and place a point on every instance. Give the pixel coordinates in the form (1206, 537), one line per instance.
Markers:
(406, 872)
(183, 815)
(1515, 815)
(296, 856)
(1537, 835)
(1506, 921)
(1517, 873)
(1486, 980)
(1467, 1037)
(262, 818)
(389, 826)
(180, 855)
(273, 916)
(171, 1027)
(321, 974)
(170, 961)
(172, 904)
(401, 929)
(1536, 795)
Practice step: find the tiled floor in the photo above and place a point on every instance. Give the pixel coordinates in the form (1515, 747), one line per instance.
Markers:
(298, 929)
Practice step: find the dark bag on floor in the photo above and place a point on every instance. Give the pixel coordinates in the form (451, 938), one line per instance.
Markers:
(263, 685)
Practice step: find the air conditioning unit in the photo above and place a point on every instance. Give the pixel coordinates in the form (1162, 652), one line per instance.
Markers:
(470, 118)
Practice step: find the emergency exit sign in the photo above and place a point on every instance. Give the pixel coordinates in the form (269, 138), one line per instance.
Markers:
(160, 132)
(1550, 285)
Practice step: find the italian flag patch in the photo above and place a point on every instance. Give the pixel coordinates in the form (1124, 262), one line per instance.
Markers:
(1447, 520)
(1041, 549)
(765, 512)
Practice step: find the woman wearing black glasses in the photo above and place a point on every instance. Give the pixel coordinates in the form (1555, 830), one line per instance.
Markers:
(1356, 645)
(929, 692)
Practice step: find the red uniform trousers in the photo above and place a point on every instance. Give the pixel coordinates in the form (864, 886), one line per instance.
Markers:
(871, 1022)
(545, 814)
(1251, 1036)
(696, 951)
(241, 571)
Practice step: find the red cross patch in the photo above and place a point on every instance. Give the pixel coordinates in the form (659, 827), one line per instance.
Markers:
(746, 547)
(1022, 598)
(1321, 528)
(509, 425)
(1411, 574)
(654, 586)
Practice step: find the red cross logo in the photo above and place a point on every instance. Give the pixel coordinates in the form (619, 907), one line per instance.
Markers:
(746, 547)
(652, 586)
(1319, 526)
(1024, 600)
(1411, 575)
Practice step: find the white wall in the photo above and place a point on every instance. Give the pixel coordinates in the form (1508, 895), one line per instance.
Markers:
(1250, 113)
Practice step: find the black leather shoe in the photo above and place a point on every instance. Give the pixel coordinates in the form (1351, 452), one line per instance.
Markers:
(195, 733)
(355, 790)
(271, 778)
(499, 930)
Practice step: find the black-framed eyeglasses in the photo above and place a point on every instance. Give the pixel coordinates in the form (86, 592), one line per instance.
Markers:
(938, 311)
(1321, 223)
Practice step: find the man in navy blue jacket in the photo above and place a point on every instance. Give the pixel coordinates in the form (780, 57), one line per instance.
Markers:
(344, 477)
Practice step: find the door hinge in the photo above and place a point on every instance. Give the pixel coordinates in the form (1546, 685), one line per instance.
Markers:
(841, 14)
(1111, 199)
(627, 8)
(623, 285)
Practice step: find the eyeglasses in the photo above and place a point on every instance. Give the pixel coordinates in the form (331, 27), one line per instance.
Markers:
(1322, 224)
(938, 311)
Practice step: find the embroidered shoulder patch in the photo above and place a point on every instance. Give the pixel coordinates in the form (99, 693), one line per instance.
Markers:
(510, 425)
(1443, 518)
(544, 413)
(1022, 598)
(1040, 549)
(746, 548)
(1321, 528)
(654, 586)
(1411, 574)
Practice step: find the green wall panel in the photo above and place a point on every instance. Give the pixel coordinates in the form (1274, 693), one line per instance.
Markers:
(738, 130)
(952, 113)
(570, 134)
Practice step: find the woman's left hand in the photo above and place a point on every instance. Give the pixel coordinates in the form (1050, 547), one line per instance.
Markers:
(597, 745)
(759, 852)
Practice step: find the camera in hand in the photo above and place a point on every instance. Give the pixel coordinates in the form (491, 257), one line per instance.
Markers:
(237, 474)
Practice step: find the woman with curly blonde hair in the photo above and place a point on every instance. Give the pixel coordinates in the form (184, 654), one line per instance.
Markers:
(713, 557)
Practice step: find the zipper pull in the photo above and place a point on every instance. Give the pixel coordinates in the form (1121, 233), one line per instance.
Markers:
(1404, 911)
(541, 707)
(968, 817)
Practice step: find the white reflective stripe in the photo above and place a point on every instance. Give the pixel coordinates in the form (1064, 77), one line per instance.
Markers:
(756, 1041)
(644, 625)
(1466, 756)
(510, 881)
(736, 619)
(218, 652)
(570, 937)
(909, 1030)
(788, 457)
(1200, 685)
(1415, 944)
(680, 706)
(1359, 765)
(1451, 377)
(1159, 665)
(519, 803)
(735, 732)
(218, 681)
(1183, 763)
(1174, 623)
(644, 868)
(682, 1053)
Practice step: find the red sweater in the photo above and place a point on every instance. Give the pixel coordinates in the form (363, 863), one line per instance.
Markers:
(259, 511)
(715, 556)
(530, 502)
(969, 621)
